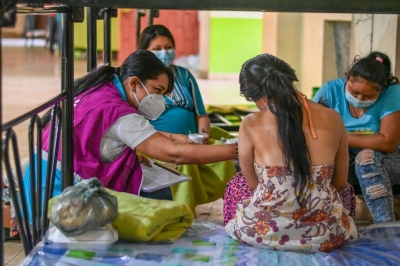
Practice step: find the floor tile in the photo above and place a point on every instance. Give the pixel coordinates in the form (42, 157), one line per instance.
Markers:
(17, 259)
(11, 250)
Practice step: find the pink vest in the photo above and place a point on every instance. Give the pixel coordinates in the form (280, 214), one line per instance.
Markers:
(94, 113)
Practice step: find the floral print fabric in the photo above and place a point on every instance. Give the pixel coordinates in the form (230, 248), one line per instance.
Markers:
(273, 218)
(238, 190)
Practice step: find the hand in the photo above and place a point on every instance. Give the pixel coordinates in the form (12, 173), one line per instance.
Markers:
(144, 159)
(206, 136)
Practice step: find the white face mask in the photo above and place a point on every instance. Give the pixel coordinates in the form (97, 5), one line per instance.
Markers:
(151, 106)
(358, 103)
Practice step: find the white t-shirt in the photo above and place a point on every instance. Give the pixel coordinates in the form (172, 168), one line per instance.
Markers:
(130, 130)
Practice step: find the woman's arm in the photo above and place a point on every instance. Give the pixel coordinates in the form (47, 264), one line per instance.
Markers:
(386, 141)
(203, 127)
(246, 155)
(179, 138)
(160, 147)
(341, 168)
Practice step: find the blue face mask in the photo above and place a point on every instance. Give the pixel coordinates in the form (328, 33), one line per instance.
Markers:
(166, 56)
(356, 102)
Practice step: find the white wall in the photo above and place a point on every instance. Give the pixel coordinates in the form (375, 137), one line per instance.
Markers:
(298, 38)
(299, 41)
(374, 33)
(312, 49)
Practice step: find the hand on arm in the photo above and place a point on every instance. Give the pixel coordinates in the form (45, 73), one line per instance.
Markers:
(387, 139)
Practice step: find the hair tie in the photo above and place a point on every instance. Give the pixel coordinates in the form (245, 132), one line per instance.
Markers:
(379, 59)
(116, 70)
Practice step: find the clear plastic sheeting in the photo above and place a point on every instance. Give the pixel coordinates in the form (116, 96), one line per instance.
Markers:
(206, 243)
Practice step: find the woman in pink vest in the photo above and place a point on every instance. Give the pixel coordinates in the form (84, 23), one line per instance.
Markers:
(112, 107)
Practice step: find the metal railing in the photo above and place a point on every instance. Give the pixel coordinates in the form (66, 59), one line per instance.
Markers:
(61, 127)
(61, 122)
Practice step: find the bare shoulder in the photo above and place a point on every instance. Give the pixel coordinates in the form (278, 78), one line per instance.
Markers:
(245, 124)
(252, 122)
(326, 115)
(250, 119)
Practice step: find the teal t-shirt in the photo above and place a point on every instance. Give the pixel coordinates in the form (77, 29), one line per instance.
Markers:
(183, 107)
(333, 94)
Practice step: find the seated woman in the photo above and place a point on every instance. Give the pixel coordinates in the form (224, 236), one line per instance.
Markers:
(185, 113)
(110, 110)
(296, 205)
(368, 100)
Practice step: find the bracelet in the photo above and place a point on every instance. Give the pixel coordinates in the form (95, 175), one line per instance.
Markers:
(237, 150)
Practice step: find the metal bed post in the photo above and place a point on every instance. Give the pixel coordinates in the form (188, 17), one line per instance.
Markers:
(1, 154)
(8, 11)
(91, 38)
(151, 14)
(67, 85)
(139, 13)
(107, 54)
(149, 17)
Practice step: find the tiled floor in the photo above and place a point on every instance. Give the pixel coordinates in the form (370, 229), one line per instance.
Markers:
(31, 76)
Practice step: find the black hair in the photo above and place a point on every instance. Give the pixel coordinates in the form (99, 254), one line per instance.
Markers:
(269, 76)
(149, 33)
(141, 63)
(376, 68)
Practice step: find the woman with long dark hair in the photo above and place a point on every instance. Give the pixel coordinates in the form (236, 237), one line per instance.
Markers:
(293, 154)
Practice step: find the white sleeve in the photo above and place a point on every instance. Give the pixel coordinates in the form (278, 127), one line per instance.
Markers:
(129, 130)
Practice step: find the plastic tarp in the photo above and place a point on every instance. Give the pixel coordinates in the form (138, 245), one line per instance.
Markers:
(206, 243)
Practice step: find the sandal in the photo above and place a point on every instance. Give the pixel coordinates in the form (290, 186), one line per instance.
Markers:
(7, 236)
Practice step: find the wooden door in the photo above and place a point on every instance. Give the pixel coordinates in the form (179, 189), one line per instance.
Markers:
(183, 24)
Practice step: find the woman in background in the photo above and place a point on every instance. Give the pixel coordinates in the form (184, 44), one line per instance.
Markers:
(185, 113)
(368, 100)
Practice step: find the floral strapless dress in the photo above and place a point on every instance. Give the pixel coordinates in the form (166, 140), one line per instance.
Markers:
(273, 218)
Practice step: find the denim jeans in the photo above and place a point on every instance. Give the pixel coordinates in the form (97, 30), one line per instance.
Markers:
(376, 172)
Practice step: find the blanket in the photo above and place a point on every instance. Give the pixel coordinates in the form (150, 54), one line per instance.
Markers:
(207, 185)
(208, 180)
(227, 109)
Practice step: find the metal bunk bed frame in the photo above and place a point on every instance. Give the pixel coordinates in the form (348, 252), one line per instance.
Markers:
(73, 12)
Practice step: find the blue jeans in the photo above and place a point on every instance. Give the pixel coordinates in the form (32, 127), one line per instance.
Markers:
(376, 172)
